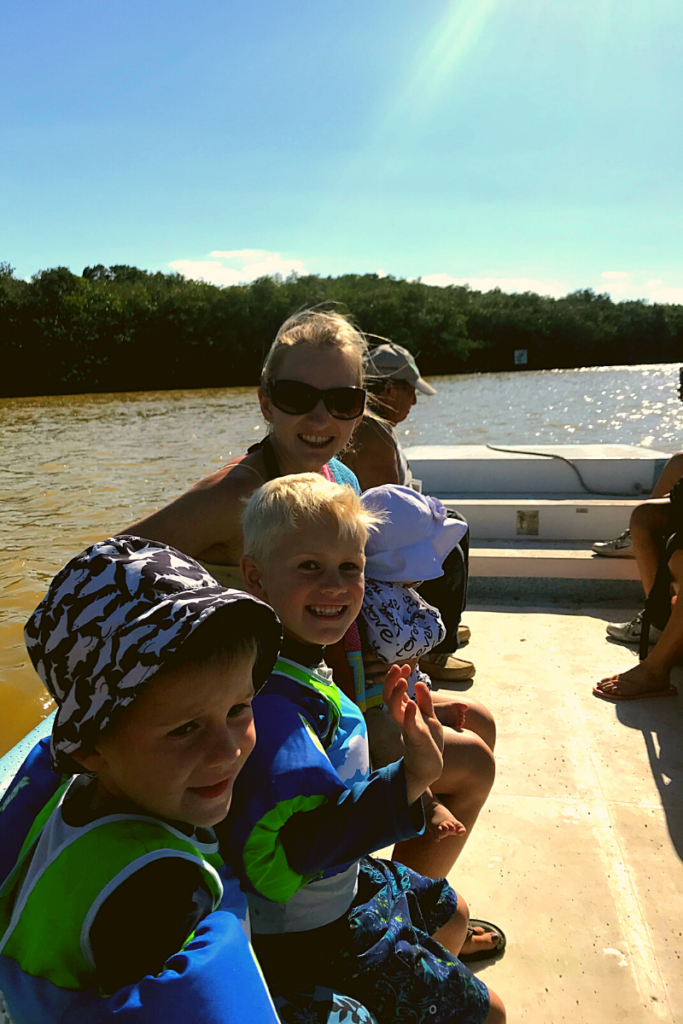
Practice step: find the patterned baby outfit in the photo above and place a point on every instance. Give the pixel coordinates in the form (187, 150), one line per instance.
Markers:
(398, 624)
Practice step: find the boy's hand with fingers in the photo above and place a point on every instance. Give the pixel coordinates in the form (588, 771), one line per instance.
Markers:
(421, 729)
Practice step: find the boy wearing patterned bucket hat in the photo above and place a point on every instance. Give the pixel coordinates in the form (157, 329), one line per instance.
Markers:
(119, 904)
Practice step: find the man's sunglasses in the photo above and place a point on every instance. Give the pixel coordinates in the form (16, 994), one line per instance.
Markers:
(295, 398)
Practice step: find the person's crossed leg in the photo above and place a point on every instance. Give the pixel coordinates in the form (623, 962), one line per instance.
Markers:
(650, 678)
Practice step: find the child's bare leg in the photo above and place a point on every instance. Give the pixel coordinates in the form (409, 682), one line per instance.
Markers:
(468, 774)
(386, 745)
(496, 1014)
(453, 935)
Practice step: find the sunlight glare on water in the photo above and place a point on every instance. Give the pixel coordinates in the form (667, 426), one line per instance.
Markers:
(79, 468)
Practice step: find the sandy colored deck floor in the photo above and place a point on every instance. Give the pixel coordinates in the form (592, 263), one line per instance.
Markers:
(578, 853)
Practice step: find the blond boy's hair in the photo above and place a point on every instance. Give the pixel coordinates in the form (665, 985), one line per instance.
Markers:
(293, 502)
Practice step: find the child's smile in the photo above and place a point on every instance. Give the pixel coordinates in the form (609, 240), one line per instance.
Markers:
(328, 611)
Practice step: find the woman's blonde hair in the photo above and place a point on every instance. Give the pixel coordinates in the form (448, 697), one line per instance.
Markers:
(299, 500)
(319, 329)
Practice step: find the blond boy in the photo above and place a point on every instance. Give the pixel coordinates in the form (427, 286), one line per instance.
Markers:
(307, 811)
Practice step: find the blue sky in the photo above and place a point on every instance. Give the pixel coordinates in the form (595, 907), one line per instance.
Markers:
(525, 143)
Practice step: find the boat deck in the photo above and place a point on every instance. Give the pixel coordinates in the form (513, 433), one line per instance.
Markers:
(547, 559)
(578, 851)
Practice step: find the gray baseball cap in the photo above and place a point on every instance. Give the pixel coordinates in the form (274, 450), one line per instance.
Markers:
(397, 363)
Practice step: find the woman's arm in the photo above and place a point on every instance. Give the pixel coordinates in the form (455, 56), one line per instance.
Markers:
(205, 522)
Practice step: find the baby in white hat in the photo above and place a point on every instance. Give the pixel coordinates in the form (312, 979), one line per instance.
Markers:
(409, 546)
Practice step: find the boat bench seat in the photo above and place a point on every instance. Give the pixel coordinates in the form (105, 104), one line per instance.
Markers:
(549, 559)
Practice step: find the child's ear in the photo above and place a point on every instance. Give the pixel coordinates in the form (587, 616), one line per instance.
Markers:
(251, 574)
(91, 761)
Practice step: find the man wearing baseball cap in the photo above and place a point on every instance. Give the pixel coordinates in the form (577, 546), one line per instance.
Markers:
(376, 457)
(390, 361)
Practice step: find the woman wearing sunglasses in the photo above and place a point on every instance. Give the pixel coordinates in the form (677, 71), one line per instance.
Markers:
(312, 397)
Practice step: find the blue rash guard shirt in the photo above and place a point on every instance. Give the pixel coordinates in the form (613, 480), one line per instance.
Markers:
(305, 807)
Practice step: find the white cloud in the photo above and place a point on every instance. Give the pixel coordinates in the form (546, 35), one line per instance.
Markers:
(237, 266)
(506, 284)
(206, 270)
(635, 287)
(245, 255)
(658, 294)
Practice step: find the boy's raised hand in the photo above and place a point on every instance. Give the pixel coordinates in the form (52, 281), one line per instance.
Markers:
(422, 731)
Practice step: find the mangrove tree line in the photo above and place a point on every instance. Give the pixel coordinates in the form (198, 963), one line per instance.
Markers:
(123, 329)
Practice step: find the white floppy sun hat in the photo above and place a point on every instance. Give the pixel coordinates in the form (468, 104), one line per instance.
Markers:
(414, 540)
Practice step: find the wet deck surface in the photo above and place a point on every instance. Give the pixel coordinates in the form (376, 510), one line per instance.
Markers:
(578, 853)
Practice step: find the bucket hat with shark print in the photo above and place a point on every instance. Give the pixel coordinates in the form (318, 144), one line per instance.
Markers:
(112, 617)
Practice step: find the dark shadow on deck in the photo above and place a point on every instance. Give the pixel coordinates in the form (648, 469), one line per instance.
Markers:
(661, 723)
(660, 720)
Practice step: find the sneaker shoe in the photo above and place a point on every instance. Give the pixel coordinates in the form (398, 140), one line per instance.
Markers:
(629, 632)
(620, 547)
(447, 668)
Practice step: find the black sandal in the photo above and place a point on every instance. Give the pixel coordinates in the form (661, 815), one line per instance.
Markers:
(484, 954)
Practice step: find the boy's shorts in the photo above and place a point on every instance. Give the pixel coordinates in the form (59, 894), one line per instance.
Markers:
(382, 952)
(318, 1005)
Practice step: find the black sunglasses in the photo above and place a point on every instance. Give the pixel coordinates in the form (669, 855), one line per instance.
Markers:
(295, 398)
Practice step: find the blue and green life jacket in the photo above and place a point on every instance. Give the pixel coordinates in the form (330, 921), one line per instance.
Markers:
(49, 901)
(305, 806)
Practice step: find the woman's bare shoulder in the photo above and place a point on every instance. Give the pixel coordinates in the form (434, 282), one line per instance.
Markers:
(238, 478)
(206, 518)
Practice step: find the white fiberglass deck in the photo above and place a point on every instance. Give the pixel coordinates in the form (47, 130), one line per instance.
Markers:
(531, 515)
(571, 560)
(610, 470)
(578, 852)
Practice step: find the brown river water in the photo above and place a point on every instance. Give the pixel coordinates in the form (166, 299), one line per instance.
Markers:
(79, 468)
